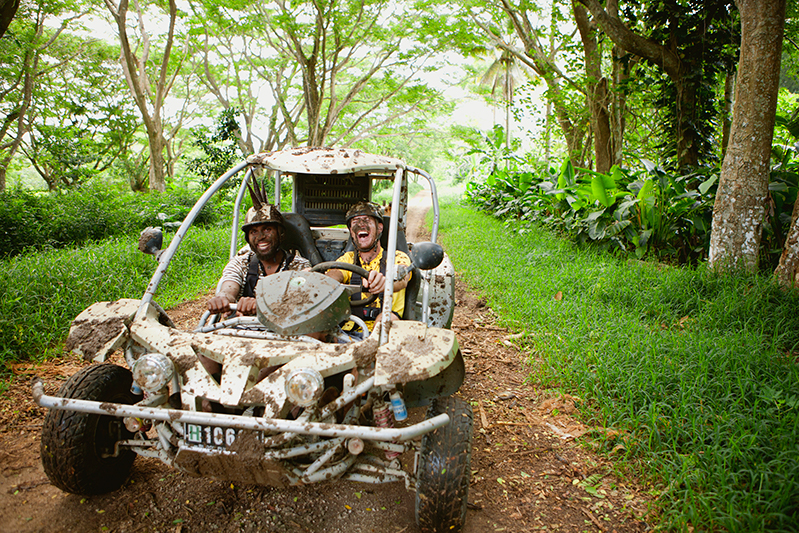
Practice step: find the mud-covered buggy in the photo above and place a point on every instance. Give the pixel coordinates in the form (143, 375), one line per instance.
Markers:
(327, 411)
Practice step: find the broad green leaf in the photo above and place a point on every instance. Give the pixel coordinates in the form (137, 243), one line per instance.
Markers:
(646, 190)
(595, 215)
(598, 188)
(707, 184)
(596, 229)
(613, 177)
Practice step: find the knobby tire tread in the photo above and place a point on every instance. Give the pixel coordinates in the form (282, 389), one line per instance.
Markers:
(442, 486)
(69, 451)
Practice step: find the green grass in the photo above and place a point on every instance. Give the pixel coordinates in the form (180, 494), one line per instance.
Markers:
(40, 293)
(698, 371)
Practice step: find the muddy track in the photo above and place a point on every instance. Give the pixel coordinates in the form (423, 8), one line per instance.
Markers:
(529, 469)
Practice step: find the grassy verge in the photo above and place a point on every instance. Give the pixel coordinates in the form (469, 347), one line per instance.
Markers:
(697, 372)
(40, 293)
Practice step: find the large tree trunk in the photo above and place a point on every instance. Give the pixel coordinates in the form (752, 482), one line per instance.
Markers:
(726, 115)
(741, 197)
(597, 90)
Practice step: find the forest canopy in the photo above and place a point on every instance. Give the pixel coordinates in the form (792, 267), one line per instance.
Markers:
(153, 95)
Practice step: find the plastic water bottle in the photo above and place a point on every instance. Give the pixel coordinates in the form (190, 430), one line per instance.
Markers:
(398, 406)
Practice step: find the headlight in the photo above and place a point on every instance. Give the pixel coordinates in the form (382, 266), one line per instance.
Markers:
(304, 386)
(152, 371)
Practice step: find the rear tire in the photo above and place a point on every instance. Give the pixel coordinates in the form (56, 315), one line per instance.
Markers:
(77, 448)
(442, 477)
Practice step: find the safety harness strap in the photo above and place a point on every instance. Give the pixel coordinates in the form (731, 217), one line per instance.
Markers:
(255, 270)
(367, 312)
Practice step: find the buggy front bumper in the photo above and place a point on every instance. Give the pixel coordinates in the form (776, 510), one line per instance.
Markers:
(236, 421)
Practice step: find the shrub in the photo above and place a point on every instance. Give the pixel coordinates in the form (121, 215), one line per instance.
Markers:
(648, 212)
(35, 220)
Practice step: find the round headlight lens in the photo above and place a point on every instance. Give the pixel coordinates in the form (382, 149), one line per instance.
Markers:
(304, 386)
(152, 371)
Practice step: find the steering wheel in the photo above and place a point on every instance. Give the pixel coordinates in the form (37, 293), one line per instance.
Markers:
(355, 269)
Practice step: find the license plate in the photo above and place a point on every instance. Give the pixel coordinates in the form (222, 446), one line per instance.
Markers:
(212, 437)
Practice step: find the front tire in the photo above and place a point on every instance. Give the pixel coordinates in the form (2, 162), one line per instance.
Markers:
(442, 477)
(77, 448)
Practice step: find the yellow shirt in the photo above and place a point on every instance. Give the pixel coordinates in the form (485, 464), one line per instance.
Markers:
(398, 297)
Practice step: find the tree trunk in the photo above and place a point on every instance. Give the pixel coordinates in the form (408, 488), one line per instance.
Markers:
(687, 151)
(621, 71)
(741, 197)
(156, 145)
(597, 90)
(726, 116)
(148, 94)
(16, 121)
(787, 272)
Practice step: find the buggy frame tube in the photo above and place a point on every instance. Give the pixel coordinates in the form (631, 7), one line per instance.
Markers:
(391, 265)
(434, 194)
(433, 238)
(169, 253)
(237, 422)
(234, 234)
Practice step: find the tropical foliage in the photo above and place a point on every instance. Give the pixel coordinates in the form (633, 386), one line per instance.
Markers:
(646, 213)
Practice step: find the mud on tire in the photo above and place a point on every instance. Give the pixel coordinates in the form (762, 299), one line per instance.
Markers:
(77, 447)
(442, 477)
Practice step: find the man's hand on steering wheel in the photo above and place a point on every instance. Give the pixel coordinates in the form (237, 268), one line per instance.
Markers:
(375, 283)
(246, 306)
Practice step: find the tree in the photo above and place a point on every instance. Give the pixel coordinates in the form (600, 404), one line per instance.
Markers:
(29, 52)
(227, 60)
(219, 149)
(597, 94)
(543, 62)
(503, 74)
(689, 44)
(82, 120)
(358, 62)
(743, 187)
(150, 75)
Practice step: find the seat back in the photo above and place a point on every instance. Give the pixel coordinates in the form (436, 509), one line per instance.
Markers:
(300, 237)
(324, 199)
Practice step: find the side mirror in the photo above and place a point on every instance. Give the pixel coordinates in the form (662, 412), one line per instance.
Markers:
(427, 255)
(150, 241)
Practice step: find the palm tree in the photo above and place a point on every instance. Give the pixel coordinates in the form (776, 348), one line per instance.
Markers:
(504, 74)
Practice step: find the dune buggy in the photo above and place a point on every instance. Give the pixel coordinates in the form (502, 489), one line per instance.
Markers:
(327, 411)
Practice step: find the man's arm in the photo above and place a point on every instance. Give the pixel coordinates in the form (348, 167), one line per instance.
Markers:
(227, 294)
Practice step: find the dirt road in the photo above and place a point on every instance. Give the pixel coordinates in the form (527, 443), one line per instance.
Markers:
(529, 472)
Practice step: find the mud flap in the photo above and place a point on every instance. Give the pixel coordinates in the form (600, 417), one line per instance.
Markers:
(446, 383)
(101, 328)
